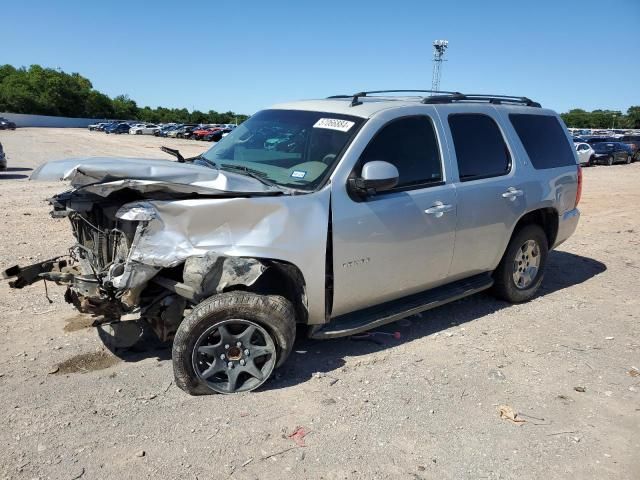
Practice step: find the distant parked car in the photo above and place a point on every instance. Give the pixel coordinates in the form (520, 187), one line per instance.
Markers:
(97, 126)
(3, 159)
(144, 129)
(609, 153)
(217, 135)
(164, 131)
(599, 139)
(634, 143)
(201, 133)
(184, 131)
(109, 127)
(585, 153)
(6, 124)
(119, 128)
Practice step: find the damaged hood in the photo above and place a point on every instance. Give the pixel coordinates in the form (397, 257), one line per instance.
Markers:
(104, 175)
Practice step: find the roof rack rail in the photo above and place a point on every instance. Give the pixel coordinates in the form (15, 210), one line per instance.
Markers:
(474, 97)
(356, 97)
(448, 97)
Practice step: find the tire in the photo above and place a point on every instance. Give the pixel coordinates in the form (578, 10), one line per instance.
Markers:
(628, 159)
(505, 286)
(592, 161)
(138, 132)
(271, 313)
(609, 161)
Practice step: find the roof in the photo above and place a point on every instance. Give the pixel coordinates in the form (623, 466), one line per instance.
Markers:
(343, 106)
(365, 106)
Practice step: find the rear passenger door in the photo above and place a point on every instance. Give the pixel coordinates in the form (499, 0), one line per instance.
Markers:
(490, 194)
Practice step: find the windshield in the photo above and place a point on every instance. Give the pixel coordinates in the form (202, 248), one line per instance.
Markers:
(287, 147)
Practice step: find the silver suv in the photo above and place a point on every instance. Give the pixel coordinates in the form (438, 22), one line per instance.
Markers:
(333, 216)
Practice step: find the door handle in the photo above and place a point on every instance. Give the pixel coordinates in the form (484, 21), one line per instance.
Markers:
(438, 209)
(512, 193)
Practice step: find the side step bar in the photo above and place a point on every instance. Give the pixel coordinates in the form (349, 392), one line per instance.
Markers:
(376, 316)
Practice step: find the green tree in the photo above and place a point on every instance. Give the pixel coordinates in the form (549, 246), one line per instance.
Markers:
(98, 105)
(124, 108)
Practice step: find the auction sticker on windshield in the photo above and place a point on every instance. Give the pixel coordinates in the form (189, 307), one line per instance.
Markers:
(334, 124)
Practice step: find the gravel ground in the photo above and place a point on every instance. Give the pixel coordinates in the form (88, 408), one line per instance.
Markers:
(424, 406)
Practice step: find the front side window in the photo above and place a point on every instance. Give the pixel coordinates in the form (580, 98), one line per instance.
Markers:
(480, 148)
(411, 145)
(291, 148)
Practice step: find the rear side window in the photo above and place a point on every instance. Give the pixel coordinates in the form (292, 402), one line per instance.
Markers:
(544, 140)
(410, 144)
(480, 148)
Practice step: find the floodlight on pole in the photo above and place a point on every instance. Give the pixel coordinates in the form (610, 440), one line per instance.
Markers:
(439, 48)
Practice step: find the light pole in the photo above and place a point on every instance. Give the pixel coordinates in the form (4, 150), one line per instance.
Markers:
(613, 125)
(439, 47)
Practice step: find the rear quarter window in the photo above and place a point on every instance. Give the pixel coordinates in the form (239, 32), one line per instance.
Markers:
(544, 140)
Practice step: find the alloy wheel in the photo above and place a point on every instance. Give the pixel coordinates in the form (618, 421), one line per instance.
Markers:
(234, 356)
(526, 264)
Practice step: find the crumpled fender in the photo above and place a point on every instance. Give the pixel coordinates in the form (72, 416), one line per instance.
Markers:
(285, 228)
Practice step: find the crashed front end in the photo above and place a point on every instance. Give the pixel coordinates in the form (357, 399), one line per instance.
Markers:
(152, 239)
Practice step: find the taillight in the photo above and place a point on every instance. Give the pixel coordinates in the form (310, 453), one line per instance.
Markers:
(579, 191)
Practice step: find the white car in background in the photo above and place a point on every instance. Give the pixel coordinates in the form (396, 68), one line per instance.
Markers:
(144, 129)
(585, 153)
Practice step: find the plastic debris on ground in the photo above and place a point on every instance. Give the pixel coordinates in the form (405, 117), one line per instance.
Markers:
(298, 436)
(508, 413)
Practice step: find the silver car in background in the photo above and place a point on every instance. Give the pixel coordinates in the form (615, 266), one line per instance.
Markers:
(329, 216)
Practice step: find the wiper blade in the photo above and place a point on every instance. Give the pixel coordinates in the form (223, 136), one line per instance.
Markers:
(174, 152)
(199, 160)
(250, 172)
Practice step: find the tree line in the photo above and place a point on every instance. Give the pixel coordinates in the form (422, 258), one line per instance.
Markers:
(46, 91)
(578, 118)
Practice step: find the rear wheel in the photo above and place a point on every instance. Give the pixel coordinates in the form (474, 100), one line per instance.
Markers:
(231, 342)
(519, 274)
(628, 159)
(609, 160)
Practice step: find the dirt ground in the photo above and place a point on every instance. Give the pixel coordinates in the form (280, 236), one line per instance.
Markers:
(425, 406)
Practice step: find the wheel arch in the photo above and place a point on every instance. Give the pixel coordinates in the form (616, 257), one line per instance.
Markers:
(546, 217)
(285, 279)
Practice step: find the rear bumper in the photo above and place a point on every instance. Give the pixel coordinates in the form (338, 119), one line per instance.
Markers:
(567, 224)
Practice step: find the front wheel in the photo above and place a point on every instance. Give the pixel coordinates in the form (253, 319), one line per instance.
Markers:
(519, 274)
(609, 161)
(231, 342)
(628, 159)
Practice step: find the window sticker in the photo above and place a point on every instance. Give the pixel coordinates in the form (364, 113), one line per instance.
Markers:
(334, 124)
(298, 174)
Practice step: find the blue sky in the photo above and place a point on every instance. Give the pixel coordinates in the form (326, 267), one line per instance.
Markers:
(244, 56)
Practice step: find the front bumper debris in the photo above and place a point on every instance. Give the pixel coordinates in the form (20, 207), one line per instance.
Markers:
(30, 274)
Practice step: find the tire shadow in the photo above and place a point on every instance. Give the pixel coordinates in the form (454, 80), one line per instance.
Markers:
(12, 176)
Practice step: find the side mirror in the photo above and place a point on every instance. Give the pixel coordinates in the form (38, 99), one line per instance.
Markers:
(376, 176)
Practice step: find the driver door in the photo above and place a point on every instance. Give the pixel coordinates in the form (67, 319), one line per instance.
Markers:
(400, 241)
